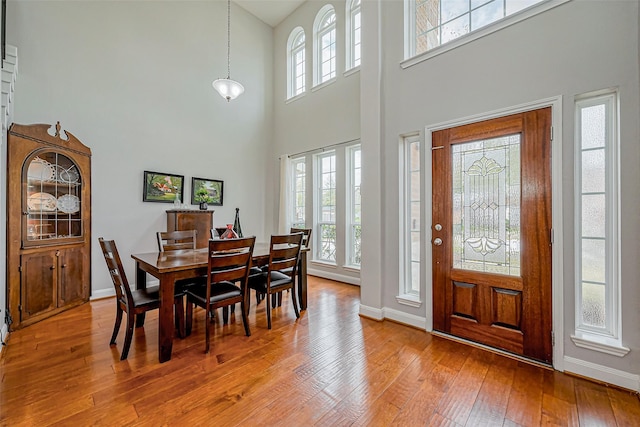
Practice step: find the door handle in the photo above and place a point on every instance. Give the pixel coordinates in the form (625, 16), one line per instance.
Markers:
(437, 241)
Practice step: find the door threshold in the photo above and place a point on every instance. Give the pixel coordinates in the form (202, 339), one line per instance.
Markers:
(514, 356)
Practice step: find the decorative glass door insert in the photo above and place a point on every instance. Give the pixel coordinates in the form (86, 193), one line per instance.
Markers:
(486, 205)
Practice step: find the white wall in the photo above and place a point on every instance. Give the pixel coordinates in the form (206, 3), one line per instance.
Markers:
(577, 47)
(132, 80)
(325, 116)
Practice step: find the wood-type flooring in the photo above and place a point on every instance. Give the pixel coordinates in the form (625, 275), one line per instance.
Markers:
(329, 368)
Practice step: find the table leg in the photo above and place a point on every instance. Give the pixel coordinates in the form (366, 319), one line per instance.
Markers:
(141, 283)
(166, 324)
(302, 281)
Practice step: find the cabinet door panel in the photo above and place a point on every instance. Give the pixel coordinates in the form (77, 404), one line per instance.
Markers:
(38, 284)
(72, 286)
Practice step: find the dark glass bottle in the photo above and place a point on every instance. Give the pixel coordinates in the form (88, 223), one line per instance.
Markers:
(236, 223)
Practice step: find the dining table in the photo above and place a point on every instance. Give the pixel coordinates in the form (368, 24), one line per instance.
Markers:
(168, 267)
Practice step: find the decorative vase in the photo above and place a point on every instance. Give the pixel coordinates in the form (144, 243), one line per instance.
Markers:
(229, 233)
(203, 206)
(236, 223)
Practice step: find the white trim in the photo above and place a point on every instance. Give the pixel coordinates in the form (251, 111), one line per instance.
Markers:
(467, 38)
(602, 373)
(353, 268)
(556, 201)
(409, 299)
(599, 343)
(102, 293)
(323, 84)
(386, 313)
(371, 312)
(351, 71)
(317, 53)
(295, 98)
(334, 276)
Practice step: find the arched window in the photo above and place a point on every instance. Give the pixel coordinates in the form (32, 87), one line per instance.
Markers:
(353, 34)
(324, 45)
(296, 63)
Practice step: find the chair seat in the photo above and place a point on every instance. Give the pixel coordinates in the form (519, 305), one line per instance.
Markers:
(219, 292)
(259, 282)
(182, 285)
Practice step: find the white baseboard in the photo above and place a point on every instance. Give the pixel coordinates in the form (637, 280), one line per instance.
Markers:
(333, 276)
(4, 333)
(371, 312)
(405, 318)
(102, 293)
(602, 373)
(395, 315)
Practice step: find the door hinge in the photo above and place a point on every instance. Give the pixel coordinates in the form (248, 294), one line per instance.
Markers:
(551, 132)
(551, 236)
(20, 308)
(553, 339)
(20, 268)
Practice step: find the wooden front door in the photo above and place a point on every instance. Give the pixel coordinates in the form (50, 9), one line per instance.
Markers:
(491, 233)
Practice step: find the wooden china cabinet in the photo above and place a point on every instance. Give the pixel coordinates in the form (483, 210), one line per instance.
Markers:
(189, 219)
(48, 222)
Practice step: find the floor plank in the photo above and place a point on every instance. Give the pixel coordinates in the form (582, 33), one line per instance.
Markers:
(329, 367)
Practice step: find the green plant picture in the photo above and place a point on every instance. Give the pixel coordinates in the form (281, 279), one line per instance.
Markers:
(162, 187)
(205, 190)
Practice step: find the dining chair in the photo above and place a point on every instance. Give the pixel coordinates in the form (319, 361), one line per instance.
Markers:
(228, 264)
(284, 254)
(132, 302)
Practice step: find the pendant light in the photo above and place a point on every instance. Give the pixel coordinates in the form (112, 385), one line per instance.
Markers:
(227, 88)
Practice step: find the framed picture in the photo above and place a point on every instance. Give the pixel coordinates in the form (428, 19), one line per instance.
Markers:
(162, 187)
(206, 190)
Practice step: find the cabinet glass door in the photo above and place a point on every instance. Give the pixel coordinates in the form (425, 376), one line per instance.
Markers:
(52, 199)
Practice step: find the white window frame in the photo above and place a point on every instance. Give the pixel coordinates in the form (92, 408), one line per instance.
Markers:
(295, 192)
(411, 58)
(319, 222)
(319, 31)
(353, 34)
(608, 338)
(294, 47)
(351, 221)
(408, 295)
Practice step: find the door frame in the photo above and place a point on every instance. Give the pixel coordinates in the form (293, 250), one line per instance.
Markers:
(557, 303)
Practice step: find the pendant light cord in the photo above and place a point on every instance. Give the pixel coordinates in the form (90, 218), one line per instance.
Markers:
(228, 39)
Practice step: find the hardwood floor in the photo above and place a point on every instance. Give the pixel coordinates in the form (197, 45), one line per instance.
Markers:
(329, 368)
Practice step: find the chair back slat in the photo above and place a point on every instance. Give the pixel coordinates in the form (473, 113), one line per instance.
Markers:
(176, 240)
(306, 235)
(230, 259)
(116, 270)
(284, 252)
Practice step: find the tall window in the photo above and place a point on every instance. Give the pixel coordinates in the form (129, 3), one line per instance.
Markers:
(295, 63)
(411, 220)
(435, 22)
(353, 34)
(354, 226)
(298, 168)
(597, 233)
(326, 205)
(324, 45)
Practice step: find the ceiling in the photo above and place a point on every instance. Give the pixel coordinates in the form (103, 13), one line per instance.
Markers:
(271, 12)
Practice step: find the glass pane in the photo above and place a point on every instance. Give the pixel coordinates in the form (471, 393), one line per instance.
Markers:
(514, 6)
(593, 126)
(593, 215)
(486, 205)
(415, 277)
(593, 304)
(456, 28)
(453, 8)
(593, 260)
(415, 246)
(486, 14)
(593, 169)
(328, 242)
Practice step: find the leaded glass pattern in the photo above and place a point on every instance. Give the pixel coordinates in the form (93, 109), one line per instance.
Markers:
(486, 205)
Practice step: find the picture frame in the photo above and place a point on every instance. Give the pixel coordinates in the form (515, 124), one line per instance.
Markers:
(162, 187)
(214, 187)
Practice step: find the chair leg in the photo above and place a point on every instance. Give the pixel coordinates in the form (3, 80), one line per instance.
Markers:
(294, 299)
(280, 298)
(274, 300)
(116, 326)
(268, 311)
(206, 329)
(189, 321)
(225, 314)
(179, 316)
(245, 321)
(131, 318)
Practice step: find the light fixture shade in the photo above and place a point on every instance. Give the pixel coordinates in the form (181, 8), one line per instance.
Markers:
(228, 89)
